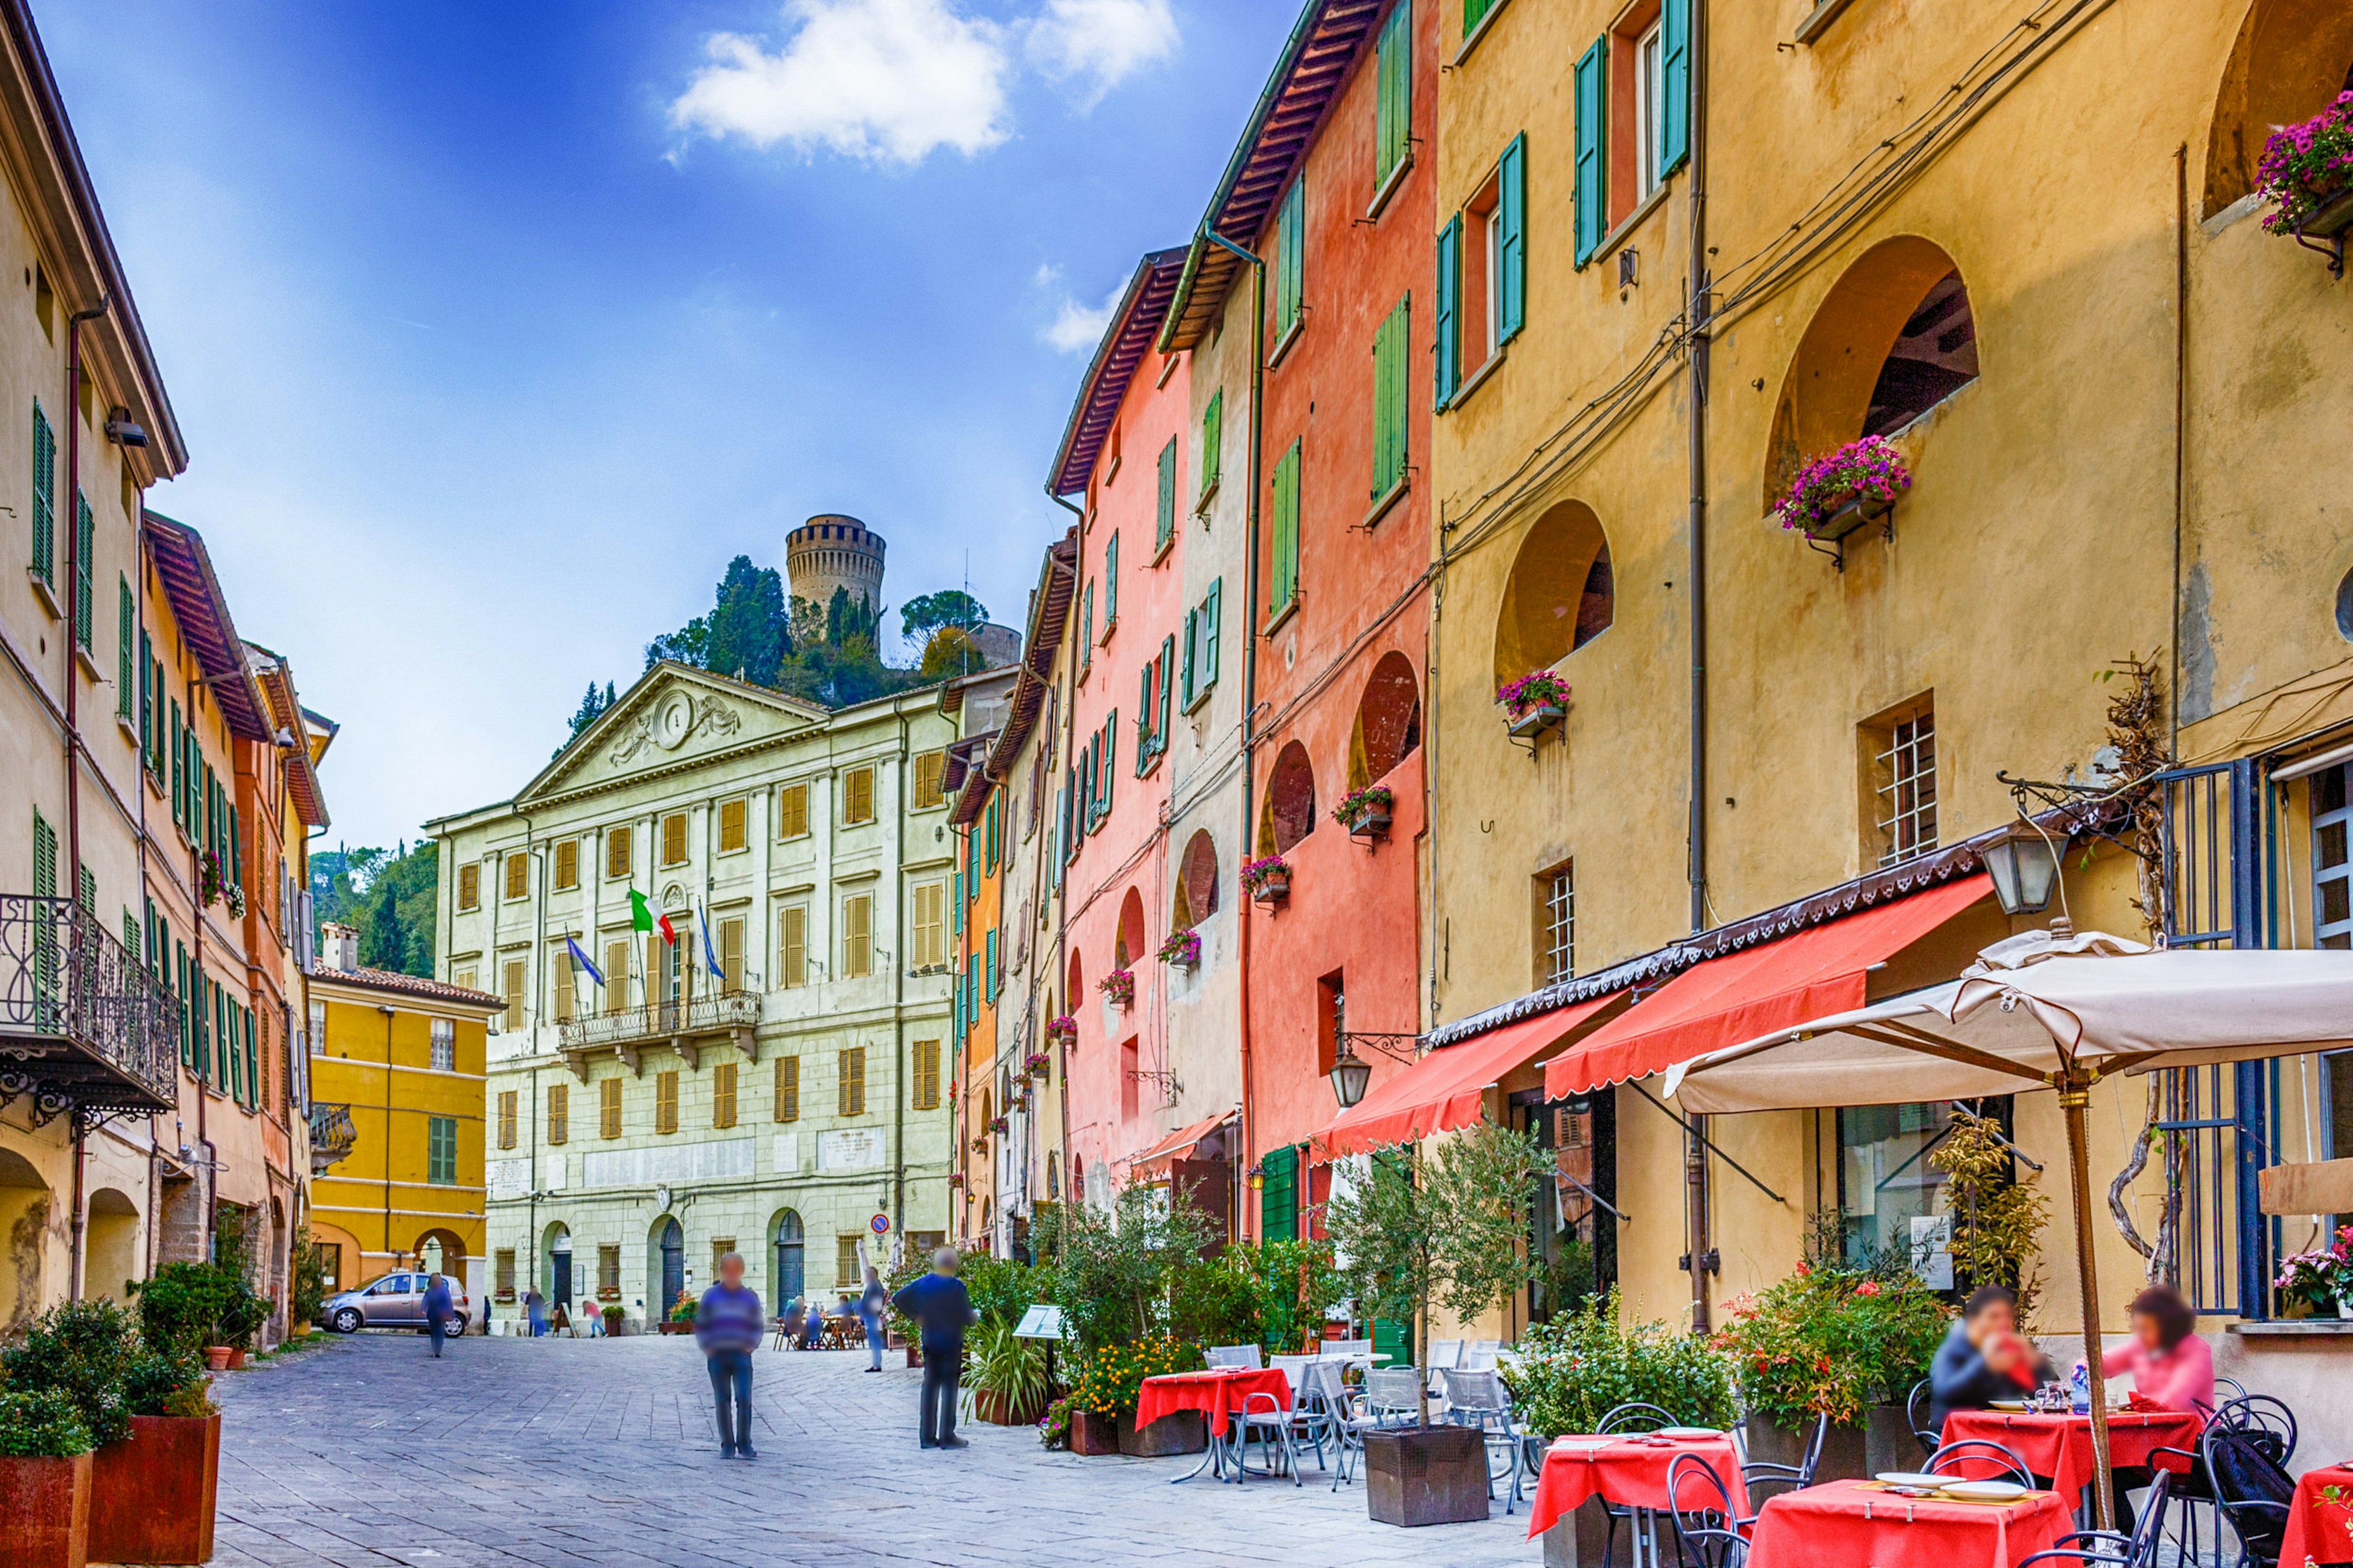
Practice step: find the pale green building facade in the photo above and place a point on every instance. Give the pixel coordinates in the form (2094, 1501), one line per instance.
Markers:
(773, 1081)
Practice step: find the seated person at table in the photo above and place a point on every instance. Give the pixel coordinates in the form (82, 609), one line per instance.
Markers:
(788, 1327)
(813, 1331)
(1984, 1358)
(2171, 1367)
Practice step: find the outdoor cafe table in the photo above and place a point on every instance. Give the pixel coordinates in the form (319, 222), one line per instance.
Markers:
(1217, 1393)
(1631, 1471)
(2321, 1528)
(1863, 1524)
(2059, 1447)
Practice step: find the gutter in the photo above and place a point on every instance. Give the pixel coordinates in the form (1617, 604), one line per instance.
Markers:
(1696, 1144)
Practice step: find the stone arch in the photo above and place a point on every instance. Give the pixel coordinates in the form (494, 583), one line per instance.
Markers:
(1895, 337)
(557, 1264)
(439, 1250)
(1389, 720)
(1288, 813)
(1196, 882)
(25, 1207)
(665, 1264)
(1561, 594)
(2290, 59)
(788, 1258)
(112, 1259)
(1127, 944)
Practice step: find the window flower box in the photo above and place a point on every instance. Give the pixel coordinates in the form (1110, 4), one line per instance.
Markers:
(1533, 704)
(1064, 1029)
(1268, 879)
(1183, 949)
(1118, 987)
(1365, 813)
(2307, 173)
(1038, 1064)
(1841, 490)
(1000, 1125)
(956, 1179)
(608, 1293)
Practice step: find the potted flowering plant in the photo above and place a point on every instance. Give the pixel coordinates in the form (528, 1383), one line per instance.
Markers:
(1267, 878)
(1365, 813)
(1841, 490)
(208, 878)
(1000, 1125)
(1183, 949)
(1038, 1063)
(955, 1178)
(1532, 703)
(2307, 173)
(2318, 1283)
(1118, 986)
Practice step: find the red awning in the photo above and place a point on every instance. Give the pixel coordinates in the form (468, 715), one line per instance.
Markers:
(1742, 994)
(1175, 1146)
(1447, 1088)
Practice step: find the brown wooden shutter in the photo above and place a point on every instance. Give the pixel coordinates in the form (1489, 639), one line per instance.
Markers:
(792, 811)
(674, 839)
(617, 852)
(567, 863)
(470, 886)
(608, 1108)
(794, 945)
(788, 1088)
(666, 1101)
(507, 1119)
(722, 1095)
(559, 1112)
(853, 1081)
(731, 835)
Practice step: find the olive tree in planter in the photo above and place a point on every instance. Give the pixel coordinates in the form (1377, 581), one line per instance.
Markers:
(1449, 1227)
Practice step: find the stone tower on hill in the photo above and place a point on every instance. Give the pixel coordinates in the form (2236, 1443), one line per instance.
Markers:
(830, 551)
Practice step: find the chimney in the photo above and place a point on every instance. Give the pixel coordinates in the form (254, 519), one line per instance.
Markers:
(339, 947)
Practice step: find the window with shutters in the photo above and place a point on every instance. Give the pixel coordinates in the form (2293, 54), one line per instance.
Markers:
(2332, 897)
(507, 1119)
(566, 983)
(674, 839)
(126, 627)
(1290, 266)
(1391, 352)
(1213, 444)
(1282, 580)
(1482, 274)
(792, 812)
(45, 498)
(734, 831)
(567, 865)
(930, 767)
(608, 1108)
(510, 975)
(608, 1270)
(616, 974)
(730, 952)
(618, 853)
(1477, 11)
(518, 877)
(1165, 518)
(722, 1095)
(502, 1271)
(85, 570)
(858, 936)
(1154, 698)
(442, 1150)
(857, 797)
(991, 824)
(470, 886)
(792, 946)
(1110, 585)
(666, 1100)
(559, 1112)
(1087, 628)
(852, 1097)
(846, 1272)
(1632, 91)
(925, 1088)
(788, 1088)
(1200, 656)
(929, 926)
(443, 1045)
(1393, 103)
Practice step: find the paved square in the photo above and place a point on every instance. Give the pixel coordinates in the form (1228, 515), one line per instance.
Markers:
(603, 1451)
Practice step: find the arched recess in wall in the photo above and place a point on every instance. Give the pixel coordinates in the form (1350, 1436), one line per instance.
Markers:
(1561, 594)
(1288, 814)
(1894, 337)
(2290, 61)
(1389, 720)
(1127, 946)
(112, 1260)
(1077, 991)
(24, 1239)
(1196, 882)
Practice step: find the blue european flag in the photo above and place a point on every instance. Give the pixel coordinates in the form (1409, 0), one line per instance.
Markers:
(581, 959)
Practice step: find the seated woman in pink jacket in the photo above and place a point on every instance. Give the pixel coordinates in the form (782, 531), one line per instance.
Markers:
(2171, 1367)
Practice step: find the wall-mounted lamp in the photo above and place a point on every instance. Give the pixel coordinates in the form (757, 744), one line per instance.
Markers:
(2023, 862)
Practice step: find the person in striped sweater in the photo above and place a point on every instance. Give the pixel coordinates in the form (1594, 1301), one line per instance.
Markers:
(727, 1325)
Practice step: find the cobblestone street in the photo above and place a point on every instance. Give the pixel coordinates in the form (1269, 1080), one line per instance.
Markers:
(511, 1451)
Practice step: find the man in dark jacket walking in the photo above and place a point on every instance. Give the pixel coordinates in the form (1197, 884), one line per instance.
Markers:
(728, 1325)
(937, 1301)
(438, 1310)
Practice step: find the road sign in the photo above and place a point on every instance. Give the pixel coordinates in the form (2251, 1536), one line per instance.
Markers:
(881, 1224)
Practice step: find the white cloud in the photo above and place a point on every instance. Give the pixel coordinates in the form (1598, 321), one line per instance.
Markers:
(888, 80)
(1077, 328)
(1101, 42)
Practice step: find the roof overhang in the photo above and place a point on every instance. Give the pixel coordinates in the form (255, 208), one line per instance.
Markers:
(1049, 614)
(287, 714)
(1134, 326)
(201, 611)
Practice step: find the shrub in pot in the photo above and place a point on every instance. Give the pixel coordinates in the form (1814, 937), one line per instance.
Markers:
(44, 1479)
(1574, 1370)
(153, 1497)
(1007, 1381)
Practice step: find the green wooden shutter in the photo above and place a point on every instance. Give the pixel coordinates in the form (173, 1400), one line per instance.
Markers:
(1087, 627)
(1394, 119)
(1192, 648)
(1390, 352)
(1277, 1198)
(1512, 240)
(85, 569)
(1674, 85)
(1210, 635)
(232, 1049)
(1290, 270)
(126, 620)
(1167, 668)
(1285, 576)
(1142, 720)
(1110, 583)
(45, 490)
(1591, 94)
(146, 702)
(178, 812)
(47, 997)
(1394, 1340)
(1213, 440)
(88, 890)
(1110, 757)
(992, 964)
(1476, 12)
(1167, 494)
(1450, 309)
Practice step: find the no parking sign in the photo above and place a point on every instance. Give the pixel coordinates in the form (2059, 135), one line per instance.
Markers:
(881, 1224)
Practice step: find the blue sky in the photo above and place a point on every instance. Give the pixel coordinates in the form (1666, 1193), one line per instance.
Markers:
(495, 330)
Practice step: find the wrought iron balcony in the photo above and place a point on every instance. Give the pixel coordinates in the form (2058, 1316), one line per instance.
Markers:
(333, 1135)
(83, 1028)
(682, 1026)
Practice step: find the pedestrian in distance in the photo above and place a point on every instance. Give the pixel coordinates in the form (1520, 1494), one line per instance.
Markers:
(592, 1312)
(939, 1303)
(534, 1311)
(727, 1324)
(871, 1305)
(438, 1310)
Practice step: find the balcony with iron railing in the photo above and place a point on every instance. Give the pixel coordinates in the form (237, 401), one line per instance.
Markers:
(84, 1029)
(683, 1025)
(332, 1136)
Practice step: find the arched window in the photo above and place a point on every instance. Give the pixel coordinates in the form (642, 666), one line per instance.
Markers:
(2290, 61)
(1127, 948)
(1893, 338)
(1560, 594)
(1389, 720)
(1077, 992)
(1289, 814)
(1196, 882)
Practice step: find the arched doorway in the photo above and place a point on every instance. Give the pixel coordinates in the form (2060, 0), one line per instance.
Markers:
(788, 1247)
(111, 1255)
(24, 1205)
(669, 1249)
(559, 1268)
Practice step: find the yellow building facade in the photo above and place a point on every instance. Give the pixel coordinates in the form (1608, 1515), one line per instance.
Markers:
(397, 1097)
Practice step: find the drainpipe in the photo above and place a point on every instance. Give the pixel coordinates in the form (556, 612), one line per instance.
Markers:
(899, 1006)
(1250, 684)
(1063, 905)
(1695, 1144)
(73, 727)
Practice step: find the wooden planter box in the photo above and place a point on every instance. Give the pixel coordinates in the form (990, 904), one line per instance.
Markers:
(45, 1513)
(1092, 1433)
(915, 1356)
(1271, 891)
(1536, 721)
(1426, 1475)
(1182, 1432)
(1856, 512)
(670, 1328)
(151, 1496)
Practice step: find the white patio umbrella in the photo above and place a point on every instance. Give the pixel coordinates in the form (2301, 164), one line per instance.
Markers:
(2044, 1010)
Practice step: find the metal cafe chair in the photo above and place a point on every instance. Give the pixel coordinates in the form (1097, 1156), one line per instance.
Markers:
(1478, 1399)
(1916, 1405)
(1310, 1422)
(1443, 1354)
(2114, 1549)
(1629, 1419)
(1950, 1460)
(1346, 1419)
(2253, 1491)
(1708, 1534)
(1247, 1356)
(1758, 1473)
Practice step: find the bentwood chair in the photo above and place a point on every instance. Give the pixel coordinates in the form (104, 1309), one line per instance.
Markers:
(1708, 1533)
(2252, 1490)
(1634, 1417)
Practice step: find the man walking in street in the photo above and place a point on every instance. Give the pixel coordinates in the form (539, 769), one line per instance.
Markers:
(438, 1310)
(938, 1303)
(727, 1325)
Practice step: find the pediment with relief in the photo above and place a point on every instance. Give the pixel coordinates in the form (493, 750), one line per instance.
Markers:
(674, 714)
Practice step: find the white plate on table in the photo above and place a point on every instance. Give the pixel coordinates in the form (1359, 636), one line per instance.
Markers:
(1911, 1479)
(2015, 1407)
(1691, 1432)
(1984, 1491)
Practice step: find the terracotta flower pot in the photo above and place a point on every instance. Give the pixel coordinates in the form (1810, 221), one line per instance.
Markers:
(217, 1357)
(151, 1496)
(45, 1513)
(996, 1409)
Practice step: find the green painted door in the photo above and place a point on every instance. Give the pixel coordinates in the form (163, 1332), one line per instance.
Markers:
(1278, 1199)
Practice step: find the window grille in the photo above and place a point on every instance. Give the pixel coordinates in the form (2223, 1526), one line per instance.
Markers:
(1907, 788)
(1560, 924)
(445, 1046)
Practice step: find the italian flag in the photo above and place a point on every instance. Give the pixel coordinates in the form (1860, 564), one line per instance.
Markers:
(642, 918)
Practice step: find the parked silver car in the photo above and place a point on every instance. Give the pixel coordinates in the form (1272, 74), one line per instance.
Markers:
(395, 1301)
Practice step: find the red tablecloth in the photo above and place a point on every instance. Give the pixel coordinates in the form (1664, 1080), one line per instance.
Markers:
(1218, 1393)
(2059, 1447)
(1859, 1522)
(2319, 1527)
(1628, 1472)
